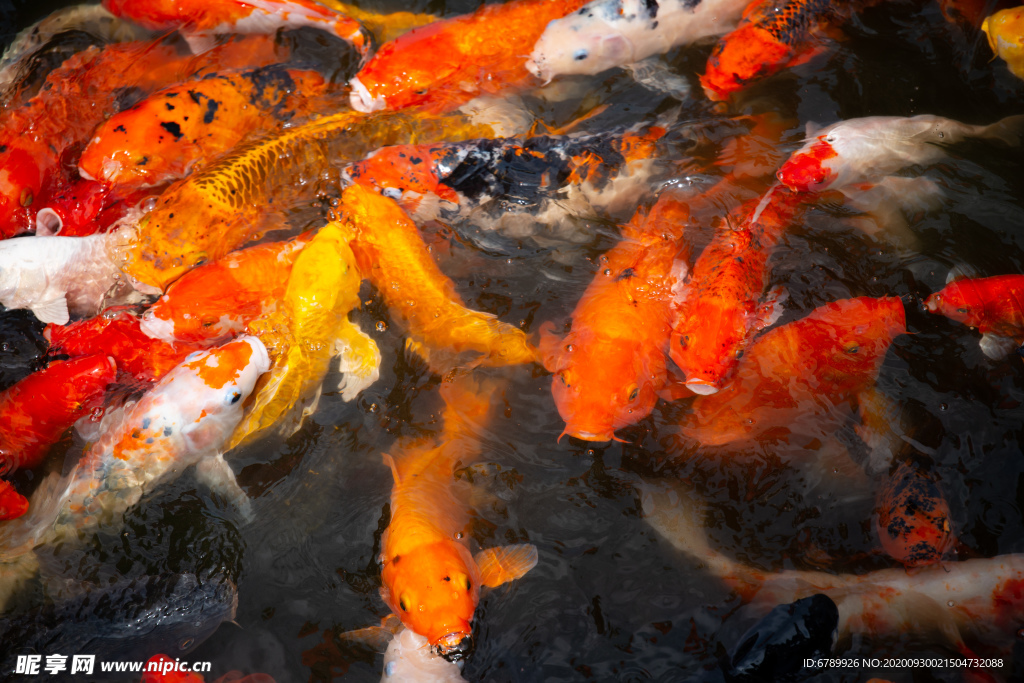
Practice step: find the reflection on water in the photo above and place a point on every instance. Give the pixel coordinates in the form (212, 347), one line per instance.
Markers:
(609, 600)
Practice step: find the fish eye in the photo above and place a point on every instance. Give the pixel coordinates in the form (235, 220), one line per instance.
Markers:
(186, 643)
(962, 310)
(421, 92)
(403, 602)
(233, 398)
(634, 391)
(830, 138)
(853, 349)
(208, 322)
(580, 55)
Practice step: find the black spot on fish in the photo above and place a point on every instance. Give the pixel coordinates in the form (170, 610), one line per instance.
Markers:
(3, 148)
(196, 96)
(146, 422)
(211, 111)
(415, 160)
(142, 162)
(170, 107)
(271, 86)
(149, 440)
(625, 275)
(652, 7)
(168, 431)
(121, 129)
(173, 128)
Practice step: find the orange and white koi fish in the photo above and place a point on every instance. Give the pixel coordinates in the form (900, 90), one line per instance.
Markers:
(912, 517)
(719, 309)
(609, 33)
(199, 21)
(181, 128)
(773, 35)
(449, 62)
(393, 256)
(218, 300)
(610, 367)
(55, 277)
(185, 419)
(994, 305)
(430, 579)
(116, 333)
(808, 370)
(1005, 32)
(868, 149)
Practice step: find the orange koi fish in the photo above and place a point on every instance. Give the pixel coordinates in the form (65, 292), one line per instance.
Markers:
(610, 367)
(391, 253)
(35, 412)
(773, 35)
(805, 370)
(719, 310)
(36, 138)
(994, 305)
(449, 62)
(430, 579)
(199, 21)
(219, 299)
(116, 332)
(238, 197)
(1005, 32)
(912, 518)
(179, 129)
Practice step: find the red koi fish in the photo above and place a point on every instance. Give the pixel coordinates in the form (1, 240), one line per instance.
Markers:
(84, 207)
(37, 138)
(994, 305)
(720, 309)
(12, 503)
(217, 301)
(36, 411)
(805, 370)
(449, 62)
(430, 579)
(610, 367)
(773, 35)
(912, 518)
(116, 332)
(199, 21)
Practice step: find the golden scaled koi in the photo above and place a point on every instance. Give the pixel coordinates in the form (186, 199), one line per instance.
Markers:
(391, 253)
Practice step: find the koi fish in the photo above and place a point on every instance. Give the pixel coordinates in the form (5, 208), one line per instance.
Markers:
(117, 332)
(12, 503)
(55, 277)
(801, 371)
(212, 212)
(430, 579)
(199, 22)
(550, 177)
(773, 35)
(719, 309)
(912, 518)
(83, 207)
(218, 300)
(35, 412)
(36, 138)
(609, 33)
(390, 251)
(610, 367)
(994, 305)
(409, 659)
(867, 149)
(185, 419)
(449, 62)
(181, 128)
(309, 328)
(1005, 32)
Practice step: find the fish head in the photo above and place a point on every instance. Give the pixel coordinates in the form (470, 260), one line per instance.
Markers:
(178, 317)
(21, 183)
(702, 345)
(397, 170)
(912, 518)
(741, 57)
(814, 167)
(434, 589)
(581, 43)
(602, 384)
(960, 301)
(409, 658)
(406, 72)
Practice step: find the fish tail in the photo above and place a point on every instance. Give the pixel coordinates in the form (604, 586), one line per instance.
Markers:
(1009, 131)
(467, 402)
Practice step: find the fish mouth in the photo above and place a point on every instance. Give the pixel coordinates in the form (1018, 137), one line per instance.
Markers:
(536, 67)
(48, 222)
(361, 99)
(701, 386)
(157, 328)
(454, 647)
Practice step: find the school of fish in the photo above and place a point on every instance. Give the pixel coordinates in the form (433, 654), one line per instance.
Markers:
(263, 222)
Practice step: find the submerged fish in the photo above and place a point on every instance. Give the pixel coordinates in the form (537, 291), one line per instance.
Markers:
(912, 518)
(128, 620)
(185, 419)
(994, 305)
(802, 371)
(199, 21)
(35, 412)
(308, 329)
(1005, 32)
(449, 62)
(56, 277)
(868, 149)
(610, 367)
(12, 503)
(218, 300)
(610, 33)
(430, 579)
(393, 256)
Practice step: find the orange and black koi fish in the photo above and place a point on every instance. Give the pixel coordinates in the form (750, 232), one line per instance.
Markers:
(447, 63)
(912, 517)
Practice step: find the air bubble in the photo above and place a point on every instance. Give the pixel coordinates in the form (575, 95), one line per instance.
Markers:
(381, 326)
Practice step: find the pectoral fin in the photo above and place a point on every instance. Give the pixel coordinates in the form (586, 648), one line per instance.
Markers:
(656, 76)
(507, 563)
(215, 473)
(200, 42)
(52, 311)
(996, 347)
(358, 360)
(376, 638)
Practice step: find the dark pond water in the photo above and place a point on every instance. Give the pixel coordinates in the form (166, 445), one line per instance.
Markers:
(609, 599)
